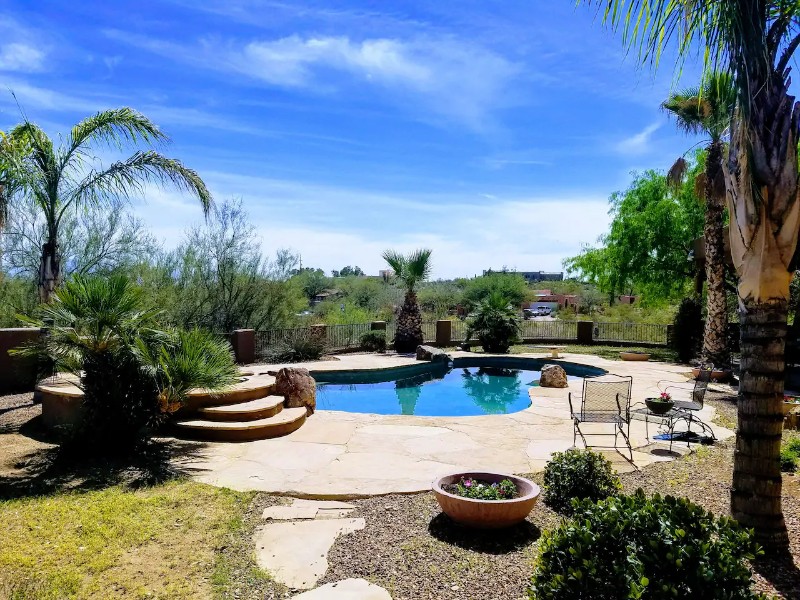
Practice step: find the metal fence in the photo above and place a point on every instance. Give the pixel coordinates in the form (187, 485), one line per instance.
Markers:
(549, 330)
(645, 333)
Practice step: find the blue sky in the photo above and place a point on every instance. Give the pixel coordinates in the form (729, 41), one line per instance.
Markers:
(491, 131)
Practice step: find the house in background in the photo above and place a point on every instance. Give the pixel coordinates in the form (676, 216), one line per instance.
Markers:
(547, 299)
(325, 295)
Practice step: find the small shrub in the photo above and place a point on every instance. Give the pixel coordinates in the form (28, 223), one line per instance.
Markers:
(495, 323)
(649, 548)
(788, 460)
(687, 329)
(300, 348)
(580, 474)
(374, 341)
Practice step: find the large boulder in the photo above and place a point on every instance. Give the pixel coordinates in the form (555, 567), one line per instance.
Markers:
(432, 354)
(553, 376)
(297, 387)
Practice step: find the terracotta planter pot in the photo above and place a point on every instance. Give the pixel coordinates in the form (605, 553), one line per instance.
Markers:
(719, 376)
(487, 514)
(634, 356)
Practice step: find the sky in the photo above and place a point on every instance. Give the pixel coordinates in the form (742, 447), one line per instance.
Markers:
(491, 131)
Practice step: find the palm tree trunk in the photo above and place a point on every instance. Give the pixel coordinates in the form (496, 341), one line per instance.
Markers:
(409, 325)
(756, 489)
(715, 346)
(49, 270)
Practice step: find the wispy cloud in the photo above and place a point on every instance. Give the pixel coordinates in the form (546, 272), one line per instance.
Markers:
(449, 77)
(21, 49)
(638, 143)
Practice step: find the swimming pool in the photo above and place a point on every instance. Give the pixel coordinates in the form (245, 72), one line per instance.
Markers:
(471, 386)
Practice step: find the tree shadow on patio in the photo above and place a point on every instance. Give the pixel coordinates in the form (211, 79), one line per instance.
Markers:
(781, 571)
(484, 541)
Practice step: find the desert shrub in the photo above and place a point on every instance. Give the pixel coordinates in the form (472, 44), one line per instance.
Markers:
(495, 323)
(580, 474)
(301, 346)
(651, 548)
(374, 341)
(788, 460)
(687, 329)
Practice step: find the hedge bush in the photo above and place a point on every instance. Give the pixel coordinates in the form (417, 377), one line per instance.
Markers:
(374, 341)
(646, 548)
(580, 474)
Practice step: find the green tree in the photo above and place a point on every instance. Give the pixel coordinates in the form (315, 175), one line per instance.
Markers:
(648, 243)
(511, 286)
(755, 41)
(312, 281)
(410, 270)
(495, 323)
(58, 182)
(14, 147)
(708, 110)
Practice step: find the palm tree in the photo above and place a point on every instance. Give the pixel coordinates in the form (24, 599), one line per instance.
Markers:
(495, 323)
(68, 177)
(755, 41)
(410, 270)
(133, 372)
(13, 149)
(708, 110)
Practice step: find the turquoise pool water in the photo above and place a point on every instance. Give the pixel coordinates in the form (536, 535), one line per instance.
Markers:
(470, 387)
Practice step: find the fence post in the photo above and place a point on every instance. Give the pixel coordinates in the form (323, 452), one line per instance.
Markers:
(377, 326)
(444, 332)
(243, 342)
(585, 334)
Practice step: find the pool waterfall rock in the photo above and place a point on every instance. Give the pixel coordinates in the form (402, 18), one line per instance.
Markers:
(433, 354)
(553, 376)
(298, 388)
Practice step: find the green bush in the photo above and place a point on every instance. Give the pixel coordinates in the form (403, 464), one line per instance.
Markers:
(788, 460)
(580, 474)
(374, 341)
(495, 323)
(687, 329)
(300, 347)
(647, 548)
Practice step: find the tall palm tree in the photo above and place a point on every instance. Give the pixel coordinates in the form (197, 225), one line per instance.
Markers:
(707, 110)
(68, 177)
(410, 270)
(13, 149)
(755, 41)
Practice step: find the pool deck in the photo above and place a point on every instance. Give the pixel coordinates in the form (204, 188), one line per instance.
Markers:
(339, 455)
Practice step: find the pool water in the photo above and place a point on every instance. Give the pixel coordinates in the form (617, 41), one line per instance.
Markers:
(430, 391)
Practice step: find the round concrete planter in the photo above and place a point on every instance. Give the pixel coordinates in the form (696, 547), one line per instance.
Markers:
(634, 356)
(487, 514)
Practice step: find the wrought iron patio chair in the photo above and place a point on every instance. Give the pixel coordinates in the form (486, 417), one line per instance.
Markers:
(604, 400)
(690, 397)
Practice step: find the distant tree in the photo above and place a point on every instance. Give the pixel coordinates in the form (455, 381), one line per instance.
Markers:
(61, 179)
(509, 285)
(648, 243)
(312, 282)
(410, 270)
(349, 271)
(440, 297)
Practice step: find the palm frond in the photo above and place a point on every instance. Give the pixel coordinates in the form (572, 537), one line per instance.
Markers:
(122, 178)
(396, 261)
(114, 127)
(418, 264)
(677, 172)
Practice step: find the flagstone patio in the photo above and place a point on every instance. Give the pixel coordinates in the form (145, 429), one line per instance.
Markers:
(339, 455)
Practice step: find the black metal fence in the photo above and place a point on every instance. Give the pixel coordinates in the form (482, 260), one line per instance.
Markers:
(340, 338)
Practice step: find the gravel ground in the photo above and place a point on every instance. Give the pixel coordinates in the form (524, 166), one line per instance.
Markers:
(16, 410)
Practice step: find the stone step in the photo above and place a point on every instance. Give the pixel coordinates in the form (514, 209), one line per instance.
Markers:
(252, 410)
(285, 422)
(250, 388)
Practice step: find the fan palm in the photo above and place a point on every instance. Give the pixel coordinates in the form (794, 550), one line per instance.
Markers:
(68, 177)
(495, 323)
(133, 372)
(755, 41)
(708, 110)
(410, 270)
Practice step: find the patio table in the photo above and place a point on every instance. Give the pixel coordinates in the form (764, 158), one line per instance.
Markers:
(669, 418)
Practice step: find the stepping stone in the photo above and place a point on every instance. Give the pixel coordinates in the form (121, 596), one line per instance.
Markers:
(289, 513)
(347, 589)
(308, 509)
(296, 553)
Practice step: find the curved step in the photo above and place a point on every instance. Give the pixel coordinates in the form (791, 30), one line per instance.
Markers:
(285, 422)
(251, 388)
(252, 410)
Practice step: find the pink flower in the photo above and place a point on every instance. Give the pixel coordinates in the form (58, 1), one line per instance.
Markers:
(468, 483)
(665, 396)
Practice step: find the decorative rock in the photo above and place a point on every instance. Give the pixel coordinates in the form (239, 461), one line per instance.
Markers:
(298, 387)
(553, 376)
(432, 354)
(347, 589)
(296, 553)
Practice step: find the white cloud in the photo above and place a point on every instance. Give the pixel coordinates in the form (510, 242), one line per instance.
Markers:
(638, 143)
(21, 57)
(332, 226)
(448, 77)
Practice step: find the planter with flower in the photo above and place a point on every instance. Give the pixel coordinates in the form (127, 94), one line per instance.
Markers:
(661, 405)
(486, 500)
